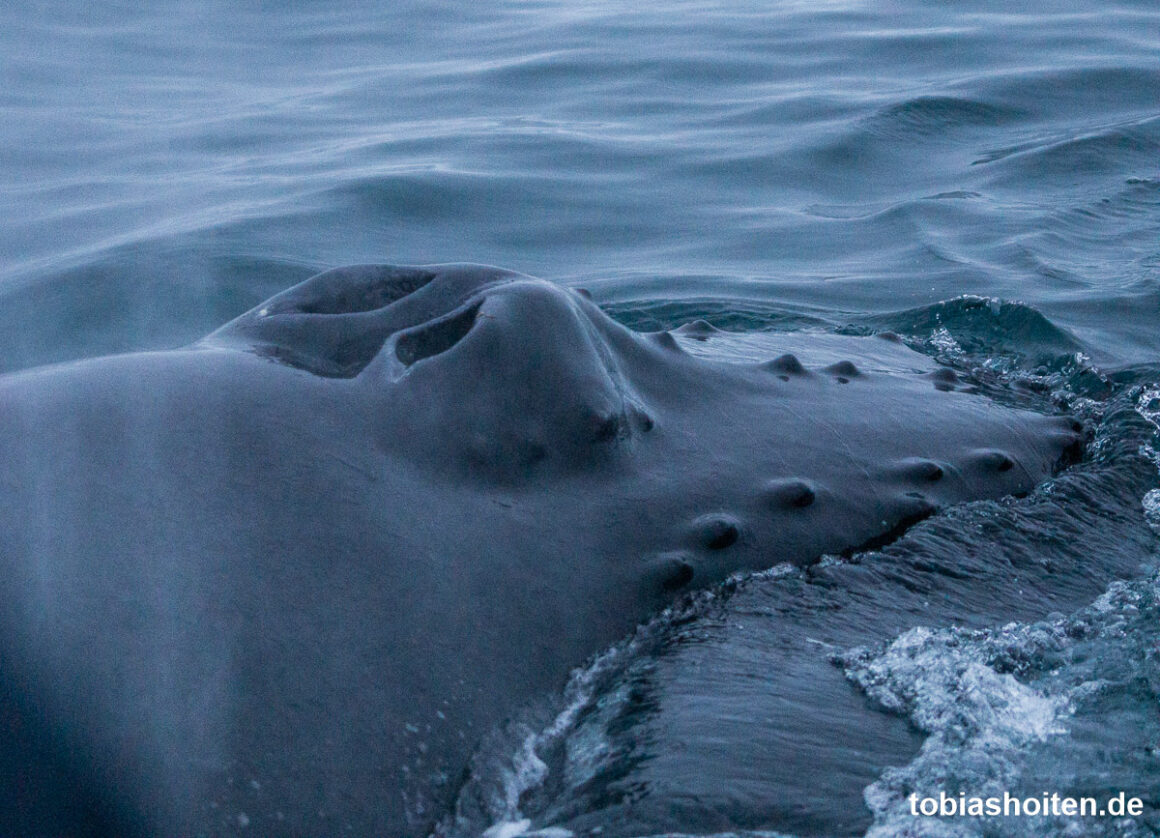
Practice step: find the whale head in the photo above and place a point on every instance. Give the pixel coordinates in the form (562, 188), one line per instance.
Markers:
(402, 495)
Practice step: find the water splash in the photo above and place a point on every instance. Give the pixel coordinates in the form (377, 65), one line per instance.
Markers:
(1025, 709)
(1148, 406)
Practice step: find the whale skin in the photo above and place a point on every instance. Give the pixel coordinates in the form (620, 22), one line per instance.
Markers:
(287, 578)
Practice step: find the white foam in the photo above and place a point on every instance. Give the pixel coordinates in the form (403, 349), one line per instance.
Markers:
(1151, 504)
(942, 340)
(978, 720)
(1148, 406)
(519, 829)
(508, 829)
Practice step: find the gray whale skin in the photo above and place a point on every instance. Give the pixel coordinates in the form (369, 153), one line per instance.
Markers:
(291, 575)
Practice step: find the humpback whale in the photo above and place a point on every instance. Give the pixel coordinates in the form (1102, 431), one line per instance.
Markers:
(288, 577)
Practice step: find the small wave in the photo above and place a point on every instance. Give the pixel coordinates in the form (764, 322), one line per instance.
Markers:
(981, 326)
(729, 315)
(520, 764)
(926, 116)
(428, 195)
(1148, 406)
(1084, 90)
(1110, 150)
(539, 772)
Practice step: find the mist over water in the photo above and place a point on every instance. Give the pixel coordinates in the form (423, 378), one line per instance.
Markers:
(982, 179)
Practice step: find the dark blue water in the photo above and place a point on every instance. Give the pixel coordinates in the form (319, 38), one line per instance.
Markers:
(984, 180)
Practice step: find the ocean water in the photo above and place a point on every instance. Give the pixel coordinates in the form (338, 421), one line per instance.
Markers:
(982, 179)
